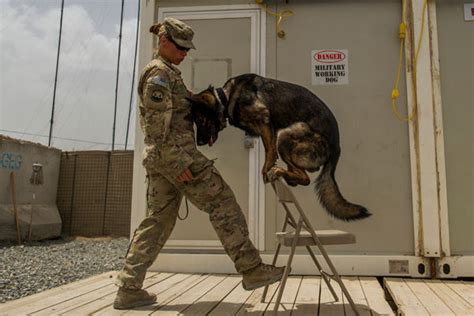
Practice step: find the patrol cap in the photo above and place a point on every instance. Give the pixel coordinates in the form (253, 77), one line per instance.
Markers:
(179, 32)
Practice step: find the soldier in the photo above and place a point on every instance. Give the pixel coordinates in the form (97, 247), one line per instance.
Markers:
(175, 168)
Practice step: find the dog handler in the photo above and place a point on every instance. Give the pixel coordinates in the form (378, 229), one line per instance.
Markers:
(175, 168)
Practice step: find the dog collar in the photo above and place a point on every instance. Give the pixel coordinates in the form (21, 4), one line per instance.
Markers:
(221, 97)
(222, 100)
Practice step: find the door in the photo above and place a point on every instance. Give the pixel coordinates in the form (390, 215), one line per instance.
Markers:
(226, 47)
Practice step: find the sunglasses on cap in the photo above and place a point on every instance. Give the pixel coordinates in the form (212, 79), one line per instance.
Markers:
(178, 47)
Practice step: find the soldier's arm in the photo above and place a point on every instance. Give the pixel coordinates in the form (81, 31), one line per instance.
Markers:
(157, 96)
(156, 90)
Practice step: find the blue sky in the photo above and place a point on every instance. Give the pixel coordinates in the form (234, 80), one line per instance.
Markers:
(87, 71)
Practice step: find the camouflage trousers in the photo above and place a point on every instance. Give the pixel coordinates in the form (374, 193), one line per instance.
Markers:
(208, 191)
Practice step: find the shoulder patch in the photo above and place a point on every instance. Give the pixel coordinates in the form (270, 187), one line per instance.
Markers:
(157, 96)
(159, 81)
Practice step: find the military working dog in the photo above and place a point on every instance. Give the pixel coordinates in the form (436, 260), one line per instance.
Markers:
(292, 123)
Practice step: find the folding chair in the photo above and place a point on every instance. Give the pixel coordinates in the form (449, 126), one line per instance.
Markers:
(306, 235)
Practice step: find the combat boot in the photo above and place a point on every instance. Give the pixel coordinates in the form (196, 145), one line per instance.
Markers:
(130, 298)
(261, 275)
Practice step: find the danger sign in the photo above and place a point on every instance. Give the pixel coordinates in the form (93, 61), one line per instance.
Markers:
(330, 66)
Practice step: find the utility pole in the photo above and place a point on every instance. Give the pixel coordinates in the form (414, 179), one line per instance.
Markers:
(56, 76)
(117, 78)
(133, 75)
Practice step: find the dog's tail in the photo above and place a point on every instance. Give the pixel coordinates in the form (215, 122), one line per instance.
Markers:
(332, 199)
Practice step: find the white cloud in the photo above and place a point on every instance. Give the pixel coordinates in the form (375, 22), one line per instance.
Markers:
(86, 81)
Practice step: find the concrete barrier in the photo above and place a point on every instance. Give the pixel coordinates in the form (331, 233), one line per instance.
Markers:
(35, 191)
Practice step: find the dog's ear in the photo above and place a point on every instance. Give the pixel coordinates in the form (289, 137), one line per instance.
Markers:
(204, 99)
(196, 99)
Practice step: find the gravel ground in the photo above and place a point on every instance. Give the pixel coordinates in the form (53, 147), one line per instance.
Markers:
(37, 266)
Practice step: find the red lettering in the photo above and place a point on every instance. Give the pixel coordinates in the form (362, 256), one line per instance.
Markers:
(329, 56)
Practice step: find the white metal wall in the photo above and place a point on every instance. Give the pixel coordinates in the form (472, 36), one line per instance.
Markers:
(424, 231)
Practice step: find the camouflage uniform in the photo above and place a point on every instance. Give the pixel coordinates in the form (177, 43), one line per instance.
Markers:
(165, 118)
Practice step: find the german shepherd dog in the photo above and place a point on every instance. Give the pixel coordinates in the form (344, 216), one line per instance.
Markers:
(292, 122)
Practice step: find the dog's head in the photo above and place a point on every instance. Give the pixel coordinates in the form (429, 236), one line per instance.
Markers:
(208, 116)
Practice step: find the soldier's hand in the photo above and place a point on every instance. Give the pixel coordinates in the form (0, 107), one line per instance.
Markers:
(185, 176)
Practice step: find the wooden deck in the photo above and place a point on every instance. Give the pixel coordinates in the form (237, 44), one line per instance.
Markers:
(431, 297)
(203, 294)
(221, 294)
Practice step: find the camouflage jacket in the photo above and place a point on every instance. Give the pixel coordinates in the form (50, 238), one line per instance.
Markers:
(165, 115)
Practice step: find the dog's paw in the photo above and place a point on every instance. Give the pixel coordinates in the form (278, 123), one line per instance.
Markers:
(274, 173)
(265, 177)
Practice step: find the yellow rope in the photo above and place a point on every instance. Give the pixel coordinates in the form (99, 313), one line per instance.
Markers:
(395, 93)
(281, 15)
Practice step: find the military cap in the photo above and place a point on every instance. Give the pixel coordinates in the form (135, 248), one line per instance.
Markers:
(179, 32)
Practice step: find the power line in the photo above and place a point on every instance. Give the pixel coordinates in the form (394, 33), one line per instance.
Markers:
(56, 137)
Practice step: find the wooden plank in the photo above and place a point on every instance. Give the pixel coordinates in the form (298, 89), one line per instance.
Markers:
(463, 289)
(170, 293)
(232, 302)
(253, 305)
(95, 305)
(403, 296)
(56, 297)
(177, 290)
(208, 301)
(183, 301)
(178, 283)
(432, 303)
(29, 301)
(77, 302)
(306, 302)
(455, 302)
(329, 306)
(358, 296)
(105, 300)
(375, 296)
(288, 299)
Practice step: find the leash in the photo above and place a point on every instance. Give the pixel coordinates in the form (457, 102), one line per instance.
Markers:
(187, 210)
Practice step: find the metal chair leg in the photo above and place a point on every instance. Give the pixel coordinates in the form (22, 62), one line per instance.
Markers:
(336, 276)
(275, 257)
(265, 290)
(288, 267)
(283, 280)
(348, 296)
(321, 271)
